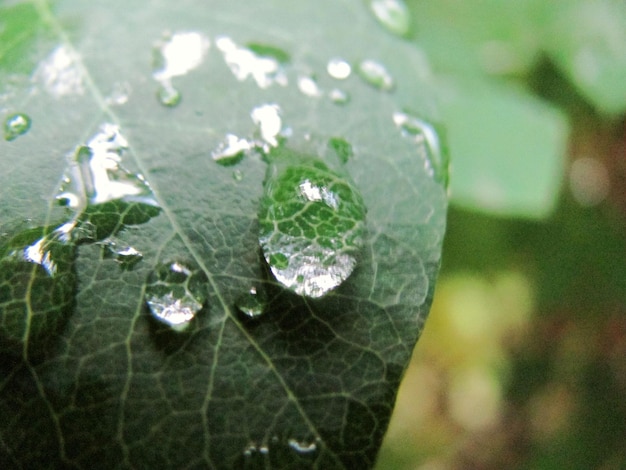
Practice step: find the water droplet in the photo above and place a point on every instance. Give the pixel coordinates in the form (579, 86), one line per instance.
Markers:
(16, 125)
(176, 55)
(119, 95)
(264, 63)
(428, 143)
(312, 223)
(126, 256)
(339, 96)
(168, 95)
(375, 74)
(338, 68)
(253, 302)
(231, 151)
(308, 86)
(60, 73)
(237, 175)
(302, 447)
(37, 287)
(175, 293)
(268, 120)
(341, 148)
(393, 15)
(103, 195)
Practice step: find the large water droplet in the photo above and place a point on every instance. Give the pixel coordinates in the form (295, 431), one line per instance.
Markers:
(338, 68)
(103, 195)
(175, 293)
(312, 223)
(253, 302)
(16, 125)
(177, 55)
(267, 119)
(37, 287)
(393, 15)
(264, 63)
(428, 144)
(375, 74)
(231, 151)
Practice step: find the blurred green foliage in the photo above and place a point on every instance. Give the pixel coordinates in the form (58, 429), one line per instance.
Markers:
(523, 360)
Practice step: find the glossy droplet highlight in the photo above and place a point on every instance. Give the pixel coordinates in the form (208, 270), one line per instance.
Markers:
(338, 68)
(375, 74)
(393, 15)
(312, 223)
(16, 125)
(263, 63)
(103, 196)
(37, 287)
(253, 302)
(308, 86)
(126, 256)
(267, 119)
(176, 55)
(175, 293)
(428, 143)
(231, 151)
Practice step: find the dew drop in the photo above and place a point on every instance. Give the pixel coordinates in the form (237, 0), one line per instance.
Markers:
(312, 223)
(393, 15)
(176, 55)
(231, 151)
(237, 175)
(309, 87)
(341, 148)
(126, 256)
(37, 287)
(375, 74)
(16, 125)
(339, 97)
(338, 68)
(119, 95)
(427, 141)
(253, 302)
(175, 293)
(262, 62)
(303, 447)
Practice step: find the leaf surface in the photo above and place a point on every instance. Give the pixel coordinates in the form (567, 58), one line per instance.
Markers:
(311, 383)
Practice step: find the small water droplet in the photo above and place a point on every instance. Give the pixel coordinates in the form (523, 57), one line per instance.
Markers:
(176, 55)
(341, 147)
(253, 302)
(168, 95)
(312, 223)
(37, 287)
(393, 15)
(309, 87)
(237, 175)
(375, 74)
(264, 63)
(16, 125)
(339, 96)
(303, 447)
(267, 119)
(231, 151)
(427, 140)
(175, 293)
(119, 95)
(126, 256)
(338, 68)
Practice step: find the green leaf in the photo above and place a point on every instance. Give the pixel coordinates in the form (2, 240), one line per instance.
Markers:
(256, 376)
(587, 40)
(508, 148)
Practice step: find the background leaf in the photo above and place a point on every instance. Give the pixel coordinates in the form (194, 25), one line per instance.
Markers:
(310, 383)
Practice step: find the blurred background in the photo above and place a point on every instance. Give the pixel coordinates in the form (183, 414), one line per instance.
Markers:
(522, 362)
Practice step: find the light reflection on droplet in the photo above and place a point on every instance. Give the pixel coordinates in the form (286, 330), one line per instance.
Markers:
(339, 97)
(308, 86)
(60, 73)
(231, 150)
(267, 118)
(338, 68)
(393, 15)
(375, 74)
(16, 125)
